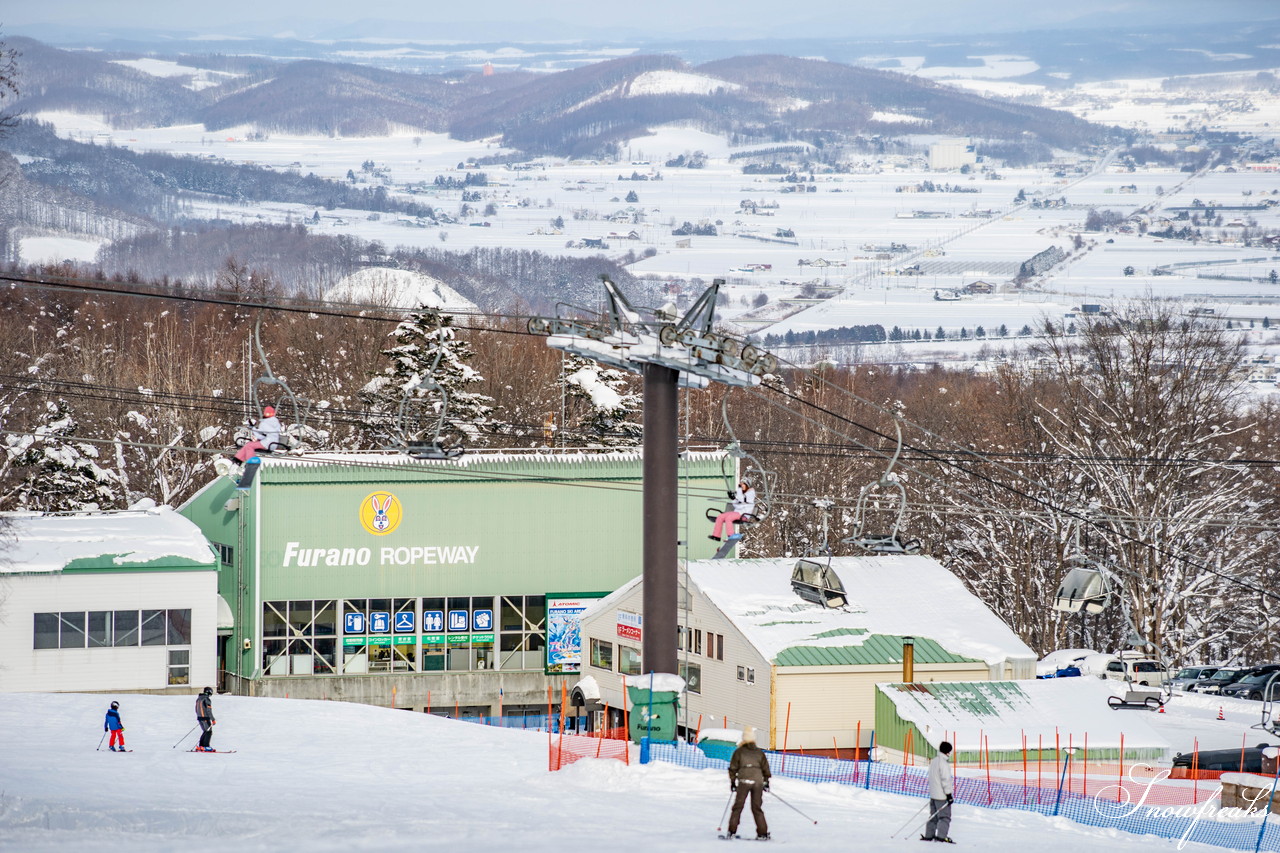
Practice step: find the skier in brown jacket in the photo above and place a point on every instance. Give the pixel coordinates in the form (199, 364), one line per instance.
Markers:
(748, 775)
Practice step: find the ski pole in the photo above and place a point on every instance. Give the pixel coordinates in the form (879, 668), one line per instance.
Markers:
(726, 811)
(187, 735)
(933, 813)
(100, 740)
(793, 808)
(912, 819)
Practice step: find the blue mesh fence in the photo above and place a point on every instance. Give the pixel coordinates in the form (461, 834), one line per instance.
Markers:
(1192, 822)
(534, 722)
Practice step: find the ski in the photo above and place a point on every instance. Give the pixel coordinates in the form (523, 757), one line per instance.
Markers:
(116, 750)
(219, 751)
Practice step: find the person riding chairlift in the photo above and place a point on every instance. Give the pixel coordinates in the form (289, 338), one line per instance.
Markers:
(744, 503)
(266, 436)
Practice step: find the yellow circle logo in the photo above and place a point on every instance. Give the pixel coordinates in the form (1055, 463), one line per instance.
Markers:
(380, 513)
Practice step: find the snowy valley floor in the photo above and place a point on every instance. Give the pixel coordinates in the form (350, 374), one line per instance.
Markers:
(321, 776)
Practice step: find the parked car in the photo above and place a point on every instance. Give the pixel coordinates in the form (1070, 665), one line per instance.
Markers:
(1253, 684)
(1189, 675)
(1247, 760)
(1144, 671)
(1221, 678)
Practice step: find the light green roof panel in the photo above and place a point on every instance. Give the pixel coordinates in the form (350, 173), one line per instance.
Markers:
(874, 650)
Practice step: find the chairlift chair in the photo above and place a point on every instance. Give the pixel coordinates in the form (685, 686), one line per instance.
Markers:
(892, 542)
(817, 583)
(1084, 588)
(754, 471)
(285, 397)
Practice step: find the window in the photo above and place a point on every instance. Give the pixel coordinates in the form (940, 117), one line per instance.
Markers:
(126, 628)
(153, 628)
(742, 673)
(300, 638)
(751, 676)
(720, 648)
(71, 630)
(602, 654)
(692, 675)
(99, 628)
(629, 660)
(178, 629)
(697, 641)
(226, 554)
(179, 666)
(46, 631)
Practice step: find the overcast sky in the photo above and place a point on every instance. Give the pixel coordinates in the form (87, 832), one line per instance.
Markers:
(652, 17)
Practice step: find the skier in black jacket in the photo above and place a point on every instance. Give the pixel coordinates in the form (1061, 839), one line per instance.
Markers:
(749, 776)
(204, 716)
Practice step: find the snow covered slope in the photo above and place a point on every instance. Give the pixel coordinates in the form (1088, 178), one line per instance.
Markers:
(330, 776)
(397, 288)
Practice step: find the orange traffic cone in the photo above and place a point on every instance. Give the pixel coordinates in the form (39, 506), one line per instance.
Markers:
(1220, 715)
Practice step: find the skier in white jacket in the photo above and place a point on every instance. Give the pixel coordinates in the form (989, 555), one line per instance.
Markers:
(744, 503)
(941, 788)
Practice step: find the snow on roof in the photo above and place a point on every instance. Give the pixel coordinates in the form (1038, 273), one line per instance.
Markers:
(590, 688)
(396, 288)
(470, 459)
(49, 543)
(894, 595)
(1006, 710)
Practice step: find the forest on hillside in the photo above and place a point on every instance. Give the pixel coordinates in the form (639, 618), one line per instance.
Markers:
(1126, 443)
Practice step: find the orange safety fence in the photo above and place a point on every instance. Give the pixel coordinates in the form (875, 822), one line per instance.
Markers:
(566, 749)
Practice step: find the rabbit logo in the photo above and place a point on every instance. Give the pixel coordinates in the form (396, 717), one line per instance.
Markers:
(380, 513)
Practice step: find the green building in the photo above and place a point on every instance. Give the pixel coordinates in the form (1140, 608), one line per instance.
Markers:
(443, 585)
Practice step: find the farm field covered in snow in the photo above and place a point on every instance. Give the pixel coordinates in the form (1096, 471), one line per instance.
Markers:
(324, 776)
(772, 239)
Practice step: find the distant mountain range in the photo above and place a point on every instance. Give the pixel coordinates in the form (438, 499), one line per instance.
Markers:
(579, 112)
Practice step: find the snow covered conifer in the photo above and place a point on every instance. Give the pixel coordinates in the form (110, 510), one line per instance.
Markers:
(62, 475)
(419, 338)
(601, 409)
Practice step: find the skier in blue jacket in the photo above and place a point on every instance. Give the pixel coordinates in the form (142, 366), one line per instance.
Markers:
(112, 724)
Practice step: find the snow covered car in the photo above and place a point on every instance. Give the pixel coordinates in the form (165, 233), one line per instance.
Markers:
(1246, 760)
(1253, 684)
(1049, 665)
(1221, 678)
(1189, 675)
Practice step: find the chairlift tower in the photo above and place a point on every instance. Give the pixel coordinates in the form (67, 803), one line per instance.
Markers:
(669, 354)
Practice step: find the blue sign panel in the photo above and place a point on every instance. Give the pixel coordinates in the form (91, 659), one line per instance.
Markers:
(404, 622)
(482, 620)
(457, 620)
(354, 623)
(379, 622)
(433, 621)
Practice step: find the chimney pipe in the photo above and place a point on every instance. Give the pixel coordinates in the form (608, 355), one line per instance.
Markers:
(908, 660)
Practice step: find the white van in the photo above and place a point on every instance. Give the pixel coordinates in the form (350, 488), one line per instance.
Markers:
(1143, 671)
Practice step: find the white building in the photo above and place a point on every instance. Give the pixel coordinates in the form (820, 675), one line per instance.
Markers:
(756, 653)
(949, 154)
(123, 601)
